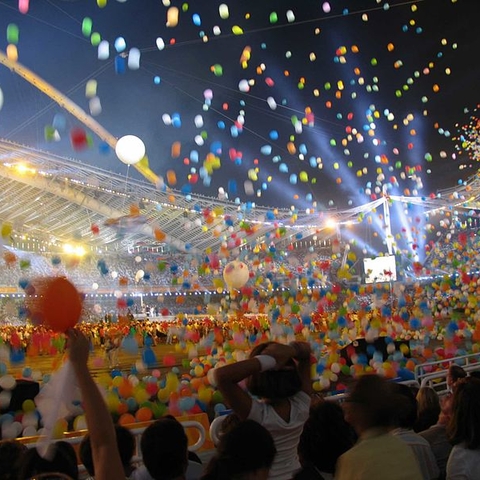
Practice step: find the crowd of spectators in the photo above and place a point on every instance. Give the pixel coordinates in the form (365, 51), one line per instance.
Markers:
(277, 429)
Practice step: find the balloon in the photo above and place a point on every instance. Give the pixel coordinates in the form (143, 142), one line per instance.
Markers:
(55, 303)
(134, 59)
(143, 414)
(223, 11)
(236, 274)
(103, 50)
(172, 17)
(130, 149)
(7, 382)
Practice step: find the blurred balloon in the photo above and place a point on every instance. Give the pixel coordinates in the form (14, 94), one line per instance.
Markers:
(236, 274)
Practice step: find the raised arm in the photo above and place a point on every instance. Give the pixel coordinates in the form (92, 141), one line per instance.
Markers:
(275, 355)
(302, 355)
(106, 458)
(227, 379)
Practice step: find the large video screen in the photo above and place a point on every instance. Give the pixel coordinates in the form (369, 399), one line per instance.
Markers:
(380, 269)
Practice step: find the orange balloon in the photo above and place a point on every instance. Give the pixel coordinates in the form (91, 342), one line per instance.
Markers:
(54, 302)
(126, 419)
(144, 414)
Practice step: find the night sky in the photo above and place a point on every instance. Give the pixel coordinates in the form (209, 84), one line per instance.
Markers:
(334, 103)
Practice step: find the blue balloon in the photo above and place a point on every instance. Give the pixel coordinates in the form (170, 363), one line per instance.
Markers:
(196, 19)
(148, 357)
(17, 356)
(266, 149)
(273, 135)
(120, 65)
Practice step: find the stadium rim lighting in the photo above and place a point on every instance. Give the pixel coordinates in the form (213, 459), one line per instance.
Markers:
(76, 250)
(330, 223)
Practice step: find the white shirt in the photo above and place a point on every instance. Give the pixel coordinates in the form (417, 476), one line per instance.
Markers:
(286, 435)
(463, 464)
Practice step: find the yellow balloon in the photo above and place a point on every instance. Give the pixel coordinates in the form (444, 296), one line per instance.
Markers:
(172, 17)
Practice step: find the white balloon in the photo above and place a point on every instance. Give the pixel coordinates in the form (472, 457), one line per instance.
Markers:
(103, 50)
(1, 99)
(236, 274)
(134, 59)
(8, 382)
(198, 121)
(243, 86)
(9, 431)
(160, 43)
(95, 106)
(223, 11)
(5, 398)
(130, 149)
(29, 431)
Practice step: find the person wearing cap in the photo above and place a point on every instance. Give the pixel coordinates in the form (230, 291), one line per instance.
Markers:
(377, 455)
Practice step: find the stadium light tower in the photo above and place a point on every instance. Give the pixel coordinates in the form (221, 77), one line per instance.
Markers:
(388, 226)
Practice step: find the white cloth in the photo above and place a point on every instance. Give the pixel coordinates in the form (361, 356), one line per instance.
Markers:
(286, 435)
(56, 400)
(463, 464)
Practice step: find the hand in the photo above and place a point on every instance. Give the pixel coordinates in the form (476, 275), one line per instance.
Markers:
(282, 353)
(78, 347)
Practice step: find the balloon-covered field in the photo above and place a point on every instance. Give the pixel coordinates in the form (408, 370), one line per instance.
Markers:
(152, 377)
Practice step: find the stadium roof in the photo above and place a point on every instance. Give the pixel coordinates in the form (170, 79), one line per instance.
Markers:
(56, 200)
(59, 200)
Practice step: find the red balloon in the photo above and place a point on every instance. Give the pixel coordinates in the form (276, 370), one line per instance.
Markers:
(55, 303)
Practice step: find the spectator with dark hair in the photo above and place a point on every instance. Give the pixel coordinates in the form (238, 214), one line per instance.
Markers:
(464, 431)
(455, 373)
(125, 445)
(63, 460)
(428, 409)
(10, 453)
(279, 376)
(164, 447)
(326, 435)
(475, 374)
(377, 455)
(245, 452)
(436, 436)
(403, 420)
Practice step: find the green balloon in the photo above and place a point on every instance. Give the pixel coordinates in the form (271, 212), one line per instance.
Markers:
(12, 33)
(87, 26)
(95, 39)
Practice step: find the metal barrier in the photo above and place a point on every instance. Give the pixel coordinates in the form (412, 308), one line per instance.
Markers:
(427, 376)
(75, 439)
